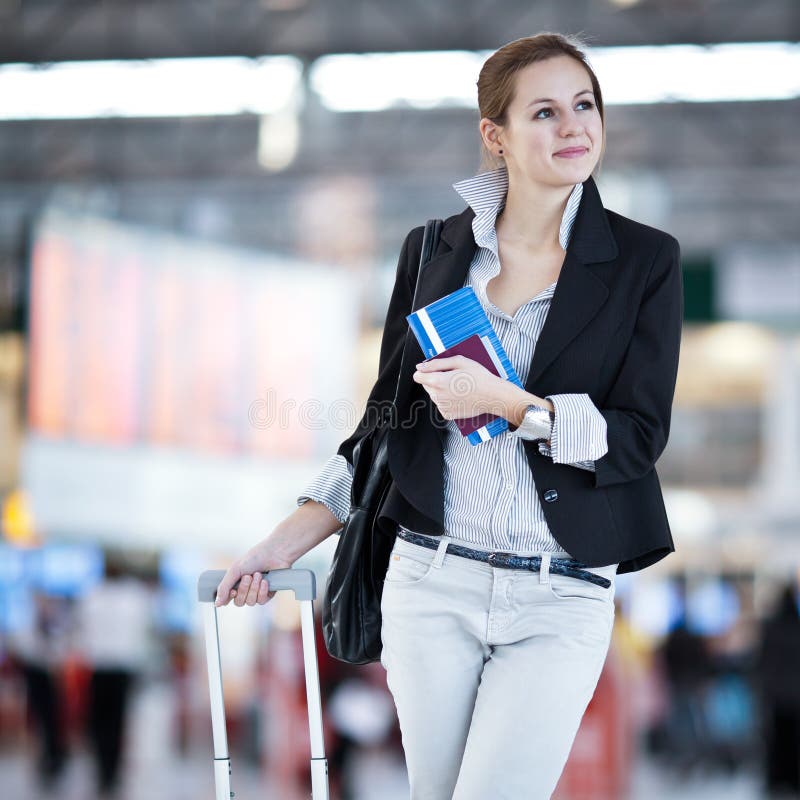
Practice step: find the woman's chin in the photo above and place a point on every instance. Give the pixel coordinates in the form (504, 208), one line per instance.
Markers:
(578, 169)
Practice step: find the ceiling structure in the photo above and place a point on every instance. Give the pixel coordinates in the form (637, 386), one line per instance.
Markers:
(730, 169)
(708, 172)
(61, 30)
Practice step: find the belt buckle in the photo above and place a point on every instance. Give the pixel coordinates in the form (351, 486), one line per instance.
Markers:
(491, 558)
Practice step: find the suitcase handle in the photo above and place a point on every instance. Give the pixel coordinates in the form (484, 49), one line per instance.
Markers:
(302, 582)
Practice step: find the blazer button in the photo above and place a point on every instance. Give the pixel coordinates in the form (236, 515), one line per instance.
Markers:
(551, 495)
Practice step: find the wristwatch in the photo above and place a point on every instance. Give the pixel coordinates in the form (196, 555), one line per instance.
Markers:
(536, 425)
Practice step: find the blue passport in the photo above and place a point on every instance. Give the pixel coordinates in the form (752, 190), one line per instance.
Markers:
(450, 320)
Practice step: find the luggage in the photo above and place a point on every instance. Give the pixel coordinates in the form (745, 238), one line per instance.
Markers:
(303, 583)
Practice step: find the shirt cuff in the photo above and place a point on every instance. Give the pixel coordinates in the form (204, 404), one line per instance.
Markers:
(580, 431)
(332, 487)
(544, 449)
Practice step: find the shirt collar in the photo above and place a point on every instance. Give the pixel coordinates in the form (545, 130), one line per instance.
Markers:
(486, 194)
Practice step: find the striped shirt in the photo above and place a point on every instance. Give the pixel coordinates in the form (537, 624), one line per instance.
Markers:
(490, 499)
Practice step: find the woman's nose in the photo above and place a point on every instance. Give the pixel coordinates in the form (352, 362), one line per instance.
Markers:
(571, 125)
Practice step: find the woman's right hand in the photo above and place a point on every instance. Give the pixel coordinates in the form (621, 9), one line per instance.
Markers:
(253, 587)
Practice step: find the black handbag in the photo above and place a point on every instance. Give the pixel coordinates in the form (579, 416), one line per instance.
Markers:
(351, 606)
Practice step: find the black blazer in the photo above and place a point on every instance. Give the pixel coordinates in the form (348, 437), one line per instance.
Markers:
(613, 331)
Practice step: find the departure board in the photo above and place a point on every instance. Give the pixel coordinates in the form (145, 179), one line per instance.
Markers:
(139, 337)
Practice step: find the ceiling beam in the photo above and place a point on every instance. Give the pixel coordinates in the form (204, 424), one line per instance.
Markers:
(66, 30)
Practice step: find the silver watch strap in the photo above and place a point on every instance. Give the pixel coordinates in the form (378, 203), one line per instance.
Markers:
(537, 424)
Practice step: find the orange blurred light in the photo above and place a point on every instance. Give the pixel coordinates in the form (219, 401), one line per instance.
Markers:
(17, 520)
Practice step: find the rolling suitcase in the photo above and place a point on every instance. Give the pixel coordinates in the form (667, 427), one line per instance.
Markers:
(303, 583)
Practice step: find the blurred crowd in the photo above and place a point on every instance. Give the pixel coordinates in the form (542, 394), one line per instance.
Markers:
(734, 700)
(79, 658)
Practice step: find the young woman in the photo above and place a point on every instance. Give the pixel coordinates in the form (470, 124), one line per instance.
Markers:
(498, 603)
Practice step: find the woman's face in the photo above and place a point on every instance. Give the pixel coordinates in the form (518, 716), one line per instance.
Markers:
(537, 129)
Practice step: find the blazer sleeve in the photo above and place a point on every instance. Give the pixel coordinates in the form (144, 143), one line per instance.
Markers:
(394, 333)
(638, 408)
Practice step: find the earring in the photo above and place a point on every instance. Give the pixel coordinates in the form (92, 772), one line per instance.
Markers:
(500, 152)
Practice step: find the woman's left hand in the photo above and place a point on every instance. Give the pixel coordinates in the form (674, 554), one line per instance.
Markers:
(461, 387)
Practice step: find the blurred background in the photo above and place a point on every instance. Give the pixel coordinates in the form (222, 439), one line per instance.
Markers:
(201, 210)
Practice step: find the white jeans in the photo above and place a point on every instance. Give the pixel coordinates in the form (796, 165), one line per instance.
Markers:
(491, 670)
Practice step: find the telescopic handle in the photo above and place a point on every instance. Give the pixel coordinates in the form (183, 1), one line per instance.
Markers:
(301, 581)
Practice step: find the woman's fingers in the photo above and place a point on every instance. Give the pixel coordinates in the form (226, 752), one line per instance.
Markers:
(253, 589)
(264, 595)
(255, 584)
(242, 590)
(225, 590)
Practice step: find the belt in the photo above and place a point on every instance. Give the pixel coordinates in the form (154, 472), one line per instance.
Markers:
(561, 566)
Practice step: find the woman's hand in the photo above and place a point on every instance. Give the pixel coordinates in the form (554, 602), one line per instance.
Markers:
(253, 587)
(462, 388)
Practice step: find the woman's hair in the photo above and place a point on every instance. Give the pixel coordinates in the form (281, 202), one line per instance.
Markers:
(497, 79)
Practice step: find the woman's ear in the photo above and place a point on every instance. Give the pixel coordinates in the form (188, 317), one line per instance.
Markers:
(489, 133)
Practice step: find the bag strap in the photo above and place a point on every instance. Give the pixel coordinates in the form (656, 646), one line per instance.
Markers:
(430, 242)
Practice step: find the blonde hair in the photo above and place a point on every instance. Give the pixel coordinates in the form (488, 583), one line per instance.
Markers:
(498, 78)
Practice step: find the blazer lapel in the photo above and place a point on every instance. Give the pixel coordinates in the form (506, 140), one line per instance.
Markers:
(416, 457)
(579, 292)
(447, 271)
(443, 274)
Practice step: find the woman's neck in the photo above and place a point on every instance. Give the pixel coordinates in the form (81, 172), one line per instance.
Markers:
(531, 216)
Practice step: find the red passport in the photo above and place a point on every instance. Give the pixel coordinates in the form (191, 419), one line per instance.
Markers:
(473, 347)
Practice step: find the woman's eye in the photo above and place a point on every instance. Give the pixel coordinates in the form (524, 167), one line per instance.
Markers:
(588, 103)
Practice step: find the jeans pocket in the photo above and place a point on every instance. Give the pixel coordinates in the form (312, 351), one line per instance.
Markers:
(408, 564)
(565, 587)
